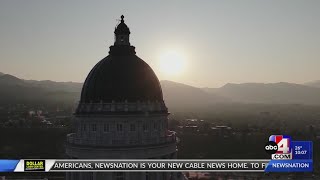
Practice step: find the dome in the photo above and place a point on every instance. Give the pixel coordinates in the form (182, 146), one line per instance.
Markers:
(121, 76)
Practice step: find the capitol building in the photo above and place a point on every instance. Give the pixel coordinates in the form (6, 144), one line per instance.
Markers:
(121, 115)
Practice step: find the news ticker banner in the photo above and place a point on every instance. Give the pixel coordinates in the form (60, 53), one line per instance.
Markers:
(152, 165)
(286, 156)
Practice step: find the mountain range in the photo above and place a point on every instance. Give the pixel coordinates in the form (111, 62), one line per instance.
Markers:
(16, 90)
(313, 83)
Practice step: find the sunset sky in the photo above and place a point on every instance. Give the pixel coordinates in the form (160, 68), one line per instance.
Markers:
(216, 42)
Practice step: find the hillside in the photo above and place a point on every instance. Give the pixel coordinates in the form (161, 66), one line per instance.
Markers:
(14, 90)
(313, 84)
(177, 95)
(181, 95)
(271, 93)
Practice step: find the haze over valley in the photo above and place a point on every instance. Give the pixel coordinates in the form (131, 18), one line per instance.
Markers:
(18, 90)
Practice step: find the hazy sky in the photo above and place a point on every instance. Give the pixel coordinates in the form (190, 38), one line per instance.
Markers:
(223, 41)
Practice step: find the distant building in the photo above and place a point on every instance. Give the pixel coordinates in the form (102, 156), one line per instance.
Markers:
(198, 175)
(221, 130)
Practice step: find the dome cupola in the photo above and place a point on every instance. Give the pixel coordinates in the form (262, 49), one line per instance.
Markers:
(122, 33)
(122, 28)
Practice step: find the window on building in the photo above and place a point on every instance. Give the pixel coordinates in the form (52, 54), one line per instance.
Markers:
(94, 127)
(121, 38)
(84, 127)
(119, 127)
(106, 127)
(119, 175)
(145, 127)
(75, 176)
(89, 176)
(132, 127)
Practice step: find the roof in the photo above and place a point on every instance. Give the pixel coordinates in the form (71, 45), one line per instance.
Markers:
(121, 78)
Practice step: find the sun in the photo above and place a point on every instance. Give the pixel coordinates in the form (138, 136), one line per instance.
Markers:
(172, 63)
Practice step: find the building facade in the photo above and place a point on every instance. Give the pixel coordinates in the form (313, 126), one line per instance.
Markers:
(121, 114)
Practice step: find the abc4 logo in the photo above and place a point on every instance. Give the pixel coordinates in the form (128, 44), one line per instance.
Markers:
(278, 144)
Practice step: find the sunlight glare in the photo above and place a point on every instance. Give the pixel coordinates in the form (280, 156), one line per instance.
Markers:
(172, 63)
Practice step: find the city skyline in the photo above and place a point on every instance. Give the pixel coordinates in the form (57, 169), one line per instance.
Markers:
(220, 42)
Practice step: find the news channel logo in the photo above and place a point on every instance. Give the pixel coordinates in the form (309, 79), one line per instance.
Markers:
(279, 147)
(34, 165)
